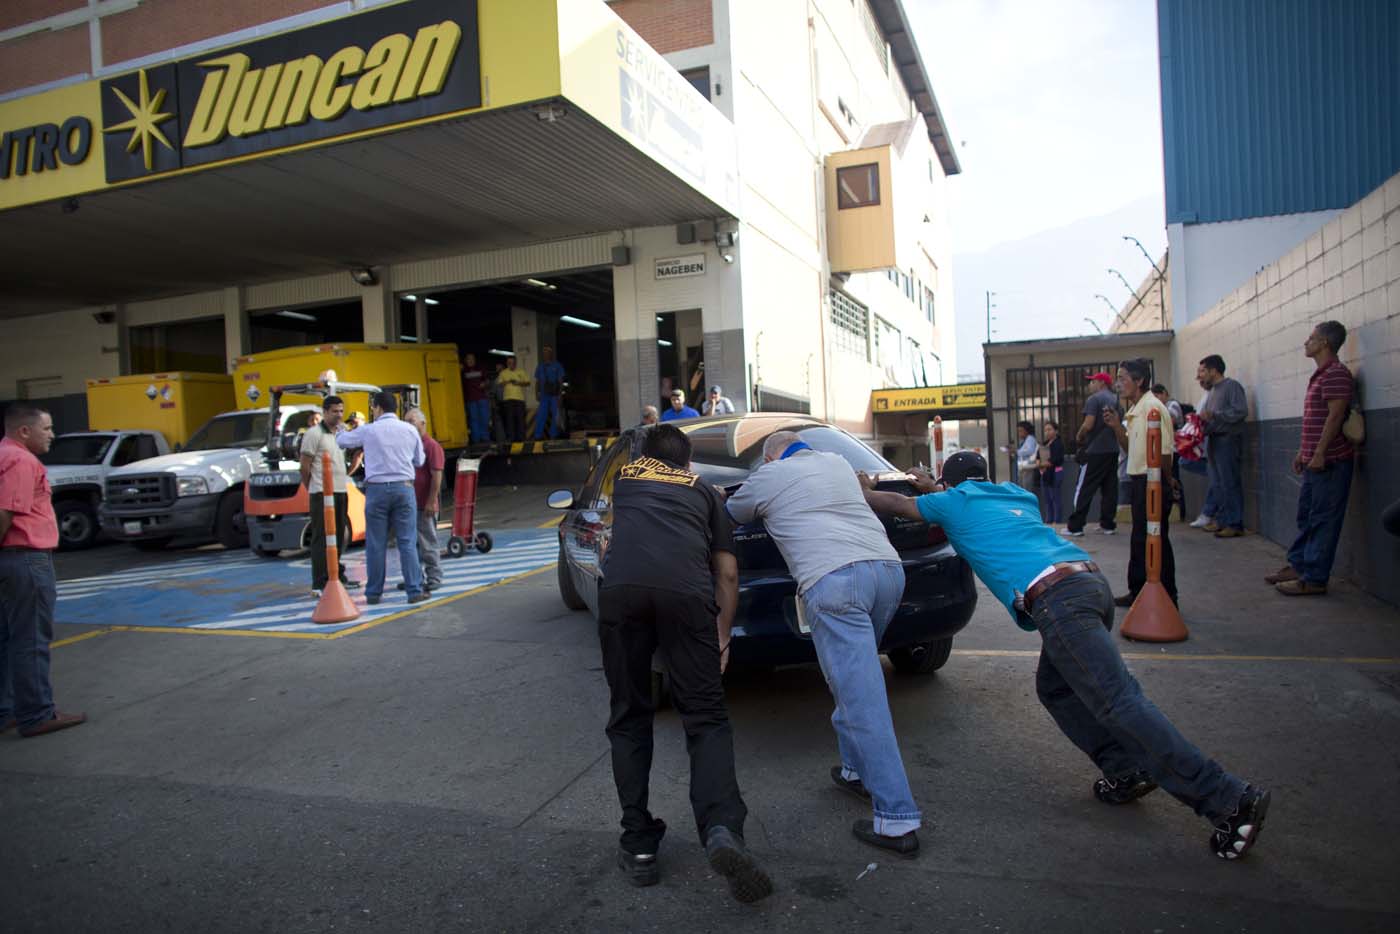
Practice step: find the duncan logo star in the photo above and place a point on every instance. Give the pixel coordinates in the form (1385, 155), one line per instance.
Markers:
(145, 121)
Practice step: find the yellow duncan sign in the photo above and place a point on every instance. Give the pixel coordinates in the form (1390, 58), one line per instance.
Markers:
(928, 398)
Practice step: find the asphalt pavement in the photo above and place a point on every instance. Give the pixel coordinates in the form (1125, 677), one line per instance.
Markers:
(446, 770)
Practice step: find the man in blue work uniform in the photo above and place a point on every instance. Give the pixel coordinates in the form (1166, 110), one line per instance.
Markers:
(549, 385)
(1049, 585)
(678, 408)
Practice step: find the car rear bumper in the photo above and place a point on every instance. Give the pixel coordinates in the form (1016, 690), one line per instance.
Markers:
(940, 595)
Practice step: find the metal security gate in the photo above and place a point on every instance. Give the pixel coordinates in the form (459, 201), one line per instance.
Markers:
(1057, 394)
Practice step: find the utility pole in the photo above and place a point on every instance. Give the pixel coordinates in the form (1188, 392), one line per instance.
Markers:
(990, 306)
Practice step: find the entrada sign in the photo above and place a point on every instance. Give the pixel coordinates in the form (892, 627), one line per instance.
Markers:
(962, 396)
(374, 69)
(678, 267)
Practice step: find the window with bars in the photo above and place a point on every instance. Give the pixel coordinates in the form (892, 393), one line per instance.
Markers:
(851, 325)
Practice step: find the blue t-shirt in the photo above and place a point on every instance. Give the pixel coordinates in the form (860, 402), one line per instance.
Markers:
(997, 528)
(551, 377)
(670, 415)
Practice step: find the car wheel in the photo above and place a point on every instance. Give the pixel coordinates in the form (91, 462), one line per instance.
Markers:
(922, 658)
(567, 592)
(77, 525)
(229, 527)
(152, 544)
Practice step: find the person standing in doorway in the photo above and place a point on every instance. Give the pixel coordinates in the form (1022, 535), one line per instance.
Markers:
(649, 416)
(1052, 471)
(849, 584)
(495, 393)
(1098, 460)
(1325, 460)
(662, 507)
(318, 442)
(1026, 450)
(1223, 417)
(678, 408)
(1134, 378)
(427, 495)
(513, 381)
(393, 450)
(717, 404)
(476, 390)
(28, 591)
(549, 386)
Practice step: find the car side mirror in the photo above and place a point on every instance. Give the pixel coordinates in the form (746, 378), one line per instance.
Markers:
(561, 499)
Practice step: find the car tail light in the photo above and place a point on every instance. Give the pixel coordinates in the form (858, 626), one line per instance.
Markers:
(936, 535)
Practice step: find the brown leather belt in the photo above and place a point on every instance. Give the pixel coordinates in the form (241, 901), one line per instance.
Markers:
(1062, 570)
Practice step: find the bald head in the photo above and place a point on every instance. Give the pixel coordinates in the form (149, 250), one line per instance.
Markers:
(415, 418)
(777, 443)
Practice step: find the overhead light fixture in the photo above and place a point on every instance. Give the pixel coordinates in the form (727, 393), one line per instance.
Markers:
(541, 284)
(570, 319)
(664, 343)
(299, 316)
(502, 353)
(364, 276)
(549, 112)
(408, 339)
(659, 318)
(431, 301)
(410, 298)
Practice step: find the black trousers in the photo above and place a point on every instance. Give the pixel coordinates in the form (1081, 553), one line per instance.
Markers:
(514, 412)
(1137, 546)
(318, 536)
(1099, 475)
(634, 622)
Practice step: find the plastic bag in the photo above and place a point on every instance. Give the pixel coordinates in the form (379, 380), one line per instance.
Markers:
(1190, 439)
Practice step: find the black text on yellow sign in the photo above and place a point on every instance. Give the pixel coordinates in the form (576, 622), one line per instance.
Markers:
(963, 396)
(374, 69)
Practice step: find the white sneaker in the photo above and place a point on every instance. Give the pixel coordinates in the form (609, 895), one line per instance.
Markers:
(1202, 521)
(1109, 531)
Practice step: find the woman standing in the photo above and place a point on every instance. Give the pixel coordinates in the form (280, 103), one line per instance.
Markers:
(1026, 461)
(1052, 469)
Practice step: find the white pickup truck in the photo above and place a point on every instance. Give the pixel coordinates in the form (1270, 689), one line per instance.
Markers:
(78, 464)
(196, 492)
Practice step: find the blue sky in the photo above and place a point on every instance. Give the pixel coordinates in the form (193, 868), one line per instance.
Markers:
(1053, 107)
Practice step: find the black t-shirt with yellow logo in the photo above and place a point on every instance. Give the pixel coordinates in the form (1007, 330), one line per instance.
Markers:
(666, 523)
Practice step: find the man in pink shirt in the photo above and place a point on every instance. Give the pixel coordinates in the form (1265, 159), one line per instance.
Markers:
(28, 536)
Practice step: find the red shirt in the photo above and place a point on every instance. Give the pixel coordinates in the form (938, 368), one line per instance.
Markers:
(433, 459)
(1329, 382)
(24, 493)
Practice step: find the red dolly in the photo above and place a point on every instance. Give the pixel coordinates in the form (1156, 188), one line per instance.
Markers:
(463, 511)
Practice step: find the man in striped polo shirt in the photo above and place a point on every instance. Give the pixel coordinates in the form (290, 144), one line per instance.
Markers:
(1324, 459)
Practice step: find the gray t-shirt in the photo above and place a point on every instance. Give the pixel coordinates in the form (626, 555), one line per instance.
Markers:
(1101, 439)
(318, 442)
(815, 511)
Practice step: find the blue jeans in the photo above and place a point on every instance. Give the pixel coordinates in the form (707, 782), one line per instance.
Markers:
(1089, 692)
(1226, 493)
(1050, 490)
(391, 506)
(849, 610)
(479, 421)
(1322, 508)
(27, 595)
(547, 417)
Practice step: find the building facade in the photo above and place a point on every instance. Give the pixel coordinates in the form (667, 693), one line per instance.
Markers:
(672, 193)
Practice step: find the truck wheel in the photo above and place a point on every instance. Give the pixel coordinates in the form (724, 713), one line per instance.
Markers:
(922, 658)
(77, 525)
(229, 526)
(567, 592)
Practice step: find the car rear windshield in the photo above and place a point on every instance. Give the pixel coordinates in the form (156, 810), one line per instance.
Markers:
(231, 431)
(78, 451)
(726, 452)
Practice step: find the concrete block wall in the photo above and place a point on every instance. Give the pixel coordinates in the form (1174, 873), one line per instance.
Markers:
(1348, 271)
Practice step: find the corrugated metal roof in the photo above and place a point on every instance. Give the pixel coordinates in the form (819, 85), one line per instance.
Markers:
(1277, 106)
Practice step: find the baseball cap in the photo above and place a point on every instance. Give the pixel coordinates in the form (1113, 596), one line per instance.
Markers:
(964, 465)
(1100, 376)
(717, 389)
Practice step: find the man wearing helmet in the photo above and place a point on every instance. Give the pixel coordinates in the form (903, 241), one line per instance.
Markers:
(1049, 585)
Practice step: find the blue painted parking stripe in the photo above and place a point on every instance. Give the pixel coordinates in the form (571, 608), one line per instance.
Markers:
(245, 593)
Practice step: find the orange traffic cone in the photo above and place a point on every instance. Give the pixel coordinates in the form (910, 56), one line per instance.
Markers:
(335, 605)
(1153, 617)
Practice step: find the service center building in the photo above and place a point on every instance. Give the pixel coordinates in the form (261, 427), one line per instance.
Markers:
(182, 184)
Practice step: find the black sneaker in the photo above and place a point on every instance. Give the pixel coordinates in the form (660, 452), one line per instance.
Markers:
(905, 847)
(642, 869)
(1234, 836)
(731, 859)
(853, 786)
(349, 584)
(1127, 788)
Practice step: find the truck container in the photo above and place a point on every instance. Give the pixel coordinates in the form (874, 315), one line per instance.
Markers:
(173, 404)
(433, 368)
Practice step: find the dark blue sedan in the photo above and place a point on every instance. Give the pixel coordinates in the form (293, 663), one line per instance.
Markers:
(939, 592)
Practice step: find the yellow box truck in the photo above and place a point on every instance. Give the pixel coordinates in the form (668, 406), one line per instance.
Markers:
(432, 368)
(174, 404)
